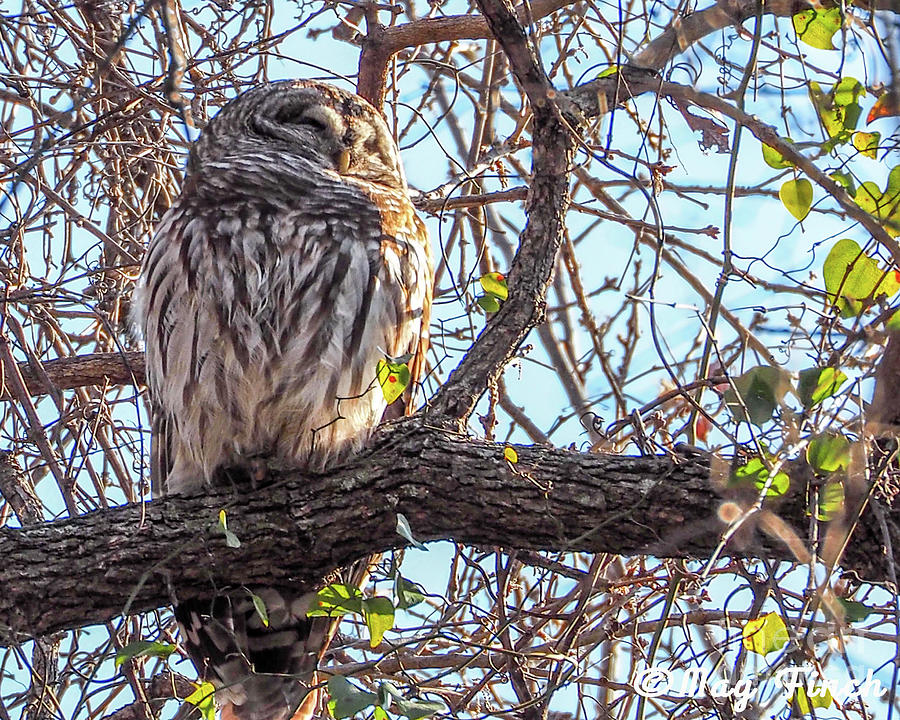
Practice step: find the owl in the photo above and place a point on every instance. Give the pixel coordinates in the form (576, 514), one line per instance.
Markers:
(291, 264)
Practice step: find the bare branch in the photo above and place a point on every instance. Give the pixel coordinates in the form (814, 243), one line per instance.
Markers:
(382, 43)
(126, 368)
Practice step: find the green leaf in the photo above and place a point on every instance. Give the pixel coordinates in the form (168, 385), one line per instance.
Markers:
(606, 72)
(820, 698)
(407, 593)
(797, 196)
(766, 634)
(817, 27)
(845, 180)
(379, 615)
(831, 500)
(848, 91)
(412, 709)
(853, 276)
(260, 607)
(883, 205)
(494, 283)
(386, 692)
(204, 699)
(221, 527)
(488, 303)
(381, 713)
(143, 648)
(828, 453)
(416, 709)
(755, 471)
(761, 388)
(393, 378)
(404, 531)
(854, 611)
(867, 143)
(838, 110)
(336, 600)
(867, 197)
(817, 384)
(775, 159)
(347, 699)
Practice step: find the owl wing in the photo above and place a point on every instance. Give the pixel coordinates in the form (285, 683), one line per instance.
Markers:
(417, 366)
(160, 450)
(406, 240)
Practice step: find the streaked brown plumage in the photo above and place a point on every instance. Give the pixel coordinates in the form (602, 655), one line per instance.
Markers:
(292, 262)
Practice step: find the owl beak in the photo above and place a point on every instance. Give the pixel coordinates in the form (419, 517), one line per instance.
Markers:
(344, 162)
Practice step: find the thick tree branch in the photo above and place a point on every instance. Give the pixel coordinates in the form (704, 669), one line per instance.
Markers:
(553, 145)
(91, 568)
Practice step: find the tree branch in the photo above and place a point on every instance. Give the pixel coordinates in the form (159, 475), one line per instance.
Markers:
(295, 531)
(553, 146)
(126, 368)
(382, 43)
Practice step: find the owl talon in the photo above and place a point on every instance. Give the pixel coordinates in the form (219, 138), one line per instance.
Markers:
(258, 471)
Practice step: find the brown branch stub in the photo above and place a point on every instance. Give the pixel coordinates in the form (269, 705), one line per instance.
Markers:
(382, 43)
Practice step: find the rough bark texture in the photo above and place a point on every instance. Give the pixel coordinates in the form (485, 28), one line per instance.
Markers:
(297, 529)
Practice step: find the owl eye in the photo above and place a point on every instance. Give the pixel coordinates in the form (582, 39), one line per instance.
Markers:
(314, 123)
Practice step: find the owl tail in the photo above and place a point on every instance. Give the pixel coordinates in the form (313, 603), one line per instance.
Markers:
(259, 651)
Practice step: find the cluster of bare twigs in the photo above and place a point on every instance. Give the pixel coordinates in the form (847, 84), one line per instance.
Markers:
(675, 273)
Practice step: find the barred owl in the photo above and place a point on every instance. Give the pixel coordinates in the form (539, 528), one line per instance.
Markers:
(292, 262)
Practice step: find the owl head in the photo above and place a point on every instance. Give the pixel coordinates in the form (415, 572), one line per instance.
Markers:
(332, 128)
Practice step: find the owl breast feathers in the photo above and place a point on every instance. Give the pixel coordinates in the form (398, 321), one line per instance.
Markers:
(292, 262)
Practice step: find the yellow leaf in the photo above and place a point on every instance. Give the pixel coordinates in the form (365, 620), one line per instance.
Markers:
(775, 159)
(511, 455)
(765, 634)
(494, 283)
(817, 27)
(797, 196)
(204, 699)
(393, 378)
(820, 698)
(867, 143)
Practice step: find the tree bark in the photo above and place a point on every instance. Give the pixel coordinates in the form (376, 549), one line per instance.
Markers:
(297, 529)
